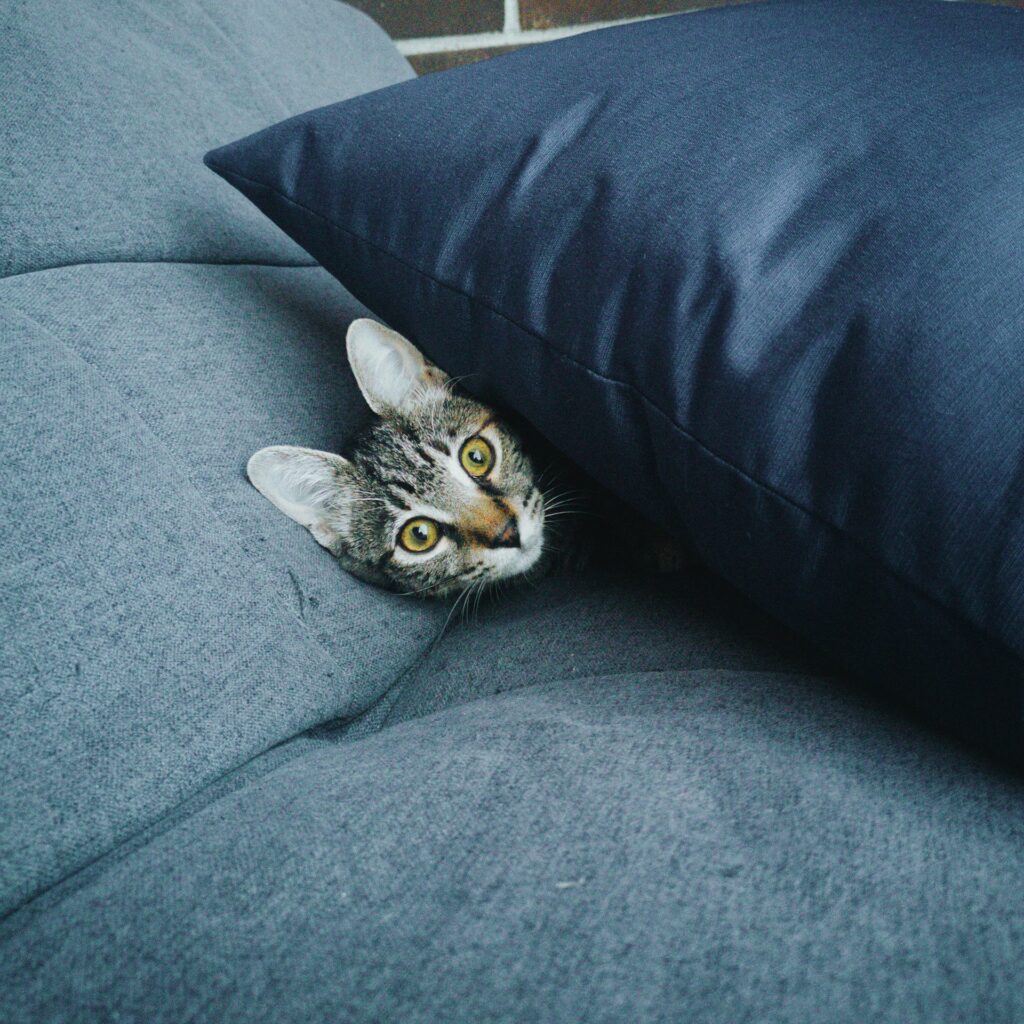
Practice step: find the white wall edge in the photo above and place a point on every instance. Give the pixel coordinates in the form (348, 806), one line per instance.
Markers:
(509, 37)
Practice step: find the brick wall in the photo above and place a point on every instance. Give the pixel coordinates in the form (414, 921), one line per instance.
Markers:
(440, 34)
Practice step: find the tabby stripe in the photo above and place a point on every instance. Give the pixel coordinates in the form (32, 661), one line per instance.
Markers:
(375, 472)
(424, 455)
(396, 504)
(395, 485)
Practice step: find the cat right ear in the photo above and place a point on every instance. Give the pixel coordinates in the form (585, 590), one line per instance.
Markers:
(308, 486)
(390, 371)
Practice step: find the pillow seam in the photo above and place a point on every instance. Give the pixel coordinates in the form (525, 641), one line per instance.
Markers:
(910, 585)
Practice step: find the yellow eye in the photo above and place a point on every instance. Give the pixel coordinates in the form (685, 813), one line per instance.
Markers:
(419, 535)
(477, 457)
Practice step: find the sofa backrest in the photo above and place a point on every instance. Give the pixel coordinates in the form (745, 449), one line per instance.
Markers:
(109, 105)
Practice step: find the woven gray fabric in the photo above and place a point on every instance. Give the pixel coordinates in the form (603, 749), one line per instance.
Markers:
(606, 621)
(703, 846)
(160, 625)
(698, 822)
(109, 105)
(162, 622)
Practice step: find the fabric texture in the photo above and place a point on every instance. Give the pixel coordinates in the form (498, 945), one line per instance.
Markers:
(108, 106)
(238, 785)
(603, 623)
(710, 846)
(160, 623)
(758, 269)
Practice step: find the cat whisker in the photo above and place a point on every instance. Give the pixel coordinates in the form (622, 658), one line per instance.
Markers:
(461, 599)
(560, 500)
(452, 382)
(444, 628)
(560, 495)
(468, 594)
(551, 471)
(570, 490)
(475, 584)
(433, 586)
(570, 513)
(555, 505)
(556, 513)
(481, 590)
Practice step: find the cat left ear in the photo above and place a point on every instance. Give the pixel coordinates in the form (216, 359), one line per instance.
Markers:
(390, 371)
(313, 488)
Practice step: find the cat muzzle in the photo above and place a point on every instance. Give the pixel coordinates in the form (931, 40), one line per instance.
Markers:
(508, 536)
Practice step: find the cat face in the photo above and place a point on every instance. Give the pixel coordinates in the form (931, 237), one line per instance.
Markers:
(436, 495)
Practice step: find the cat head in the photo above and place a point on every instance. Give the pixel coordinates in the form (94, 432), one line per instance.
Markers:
(435, 496)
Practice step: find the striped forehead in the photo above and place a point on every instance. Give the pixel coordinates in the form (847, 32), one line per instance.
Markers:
(407, 467)
(425, 457)
(410, 462)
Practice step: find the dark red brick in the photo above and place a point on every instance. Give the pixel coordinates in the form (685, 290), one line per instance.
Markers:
(408, 19)
(426, 63)
(555, 13)
(536, 14)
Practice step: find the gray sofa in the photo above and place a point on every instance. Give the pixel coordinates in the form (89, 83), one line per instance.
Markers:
(239, 785)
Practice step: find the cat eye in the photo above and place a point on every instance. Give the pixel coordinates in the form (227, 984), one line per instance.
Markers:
(477, 457)
(419, 535)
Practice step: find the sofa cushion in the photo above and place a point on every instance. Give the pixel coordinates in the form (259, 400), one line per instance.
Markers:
(603, 621)
(159, 626)
(109, 105)
(161, 623)
(702, 846)
(759, 270)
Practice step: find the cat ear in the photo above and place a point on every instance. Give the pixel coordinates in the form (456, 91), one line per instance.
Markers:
(308, 486)
(391, 373)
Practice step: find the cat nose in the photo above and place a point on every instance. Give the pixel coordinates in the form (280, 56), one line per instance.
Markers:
(508, 536)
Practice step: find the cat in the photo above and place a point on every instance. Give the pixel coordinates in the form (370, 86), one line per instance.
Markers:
(438, 496)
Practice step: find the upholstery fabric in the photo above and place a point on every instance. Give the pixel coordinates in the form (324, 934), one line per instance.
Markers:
(108, 106)
(238, 785)
(160, 626)
(710, 846)
(758, 269)
(605, 622)
(162, 622)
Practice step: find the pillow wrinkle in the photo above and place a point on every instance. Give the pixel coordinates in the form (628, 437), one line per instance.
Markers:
(840, 531)
(803, 263)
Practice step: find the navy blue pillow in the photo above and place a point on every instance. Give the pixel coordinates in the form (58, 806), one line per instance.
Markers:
(760, 270)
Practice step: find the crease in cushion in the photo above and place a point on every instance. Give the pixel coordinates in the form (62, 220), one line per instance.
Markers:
(227, 360)
(782, 318)
(108, 106)
(708, 846)
(162, 623)
(159, 626)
